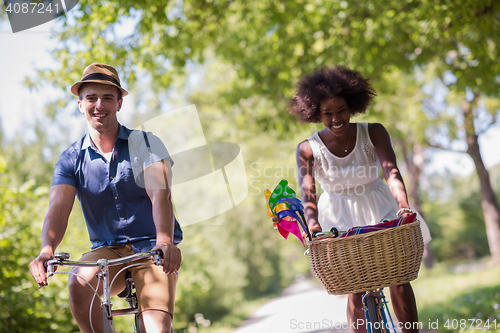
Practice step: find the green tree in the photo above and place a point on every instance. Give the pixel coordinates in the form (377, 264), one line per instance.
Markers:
(26, 167)
(272, 43)
(23, 308)
(473, 242)
(30, 160)
(456, 217)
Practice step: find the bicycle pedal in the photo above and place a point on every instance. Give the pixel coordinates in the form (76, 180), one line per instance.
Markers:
(131, 302)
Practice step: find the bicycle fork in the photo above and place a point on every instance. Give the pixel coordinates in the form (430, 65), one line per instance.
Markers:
(107, 318)
(377, 313)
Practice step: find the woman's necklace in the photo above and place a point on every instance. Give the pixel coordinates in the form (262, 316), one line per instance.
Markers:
(348, 139)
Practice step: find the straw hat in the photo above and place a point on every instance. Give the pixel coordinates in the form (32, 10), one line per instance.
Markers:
(99, 73)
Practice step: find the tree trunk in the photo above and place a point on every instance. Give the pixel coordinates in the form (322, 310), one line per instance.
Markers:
(489, 201)
(415, 164)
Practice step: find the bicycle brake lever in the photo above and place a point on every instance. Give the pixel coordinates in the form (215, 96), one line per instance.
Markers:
(50, 271)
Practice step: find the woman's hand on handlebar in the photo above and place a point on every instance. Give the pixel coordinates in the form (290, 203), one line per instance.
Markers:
(312, 231)
(38, 270)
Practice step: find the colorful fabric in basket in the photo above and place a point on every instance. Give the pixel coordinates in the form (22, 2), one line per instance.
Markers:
(380, 226)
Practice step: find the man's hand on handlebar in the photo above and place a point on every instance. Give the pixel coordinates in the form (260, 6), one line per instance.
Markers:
(38, 270)
(171, 257)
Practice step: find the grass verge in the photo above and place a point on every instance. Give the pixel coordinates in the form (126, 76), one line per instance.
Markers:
(459, 302)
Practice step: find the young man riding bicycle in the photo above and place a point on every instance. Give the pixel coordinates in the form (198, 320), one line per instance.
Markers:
(125, 212)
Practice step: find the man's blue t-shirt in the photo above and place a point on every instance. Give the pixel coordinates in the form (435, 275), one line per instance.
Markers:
(115, 204)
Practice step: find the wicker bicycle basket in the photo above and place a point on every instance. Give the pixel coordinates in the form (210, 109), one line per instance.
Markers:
(367, 261)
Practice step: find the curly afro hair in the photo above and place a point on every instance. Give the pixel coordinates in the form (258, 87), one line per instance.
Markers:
(327, 83)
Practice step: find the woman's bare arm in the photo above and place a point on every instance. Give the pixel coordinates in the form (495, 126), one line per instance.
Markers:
(305, 161)
(382, 142)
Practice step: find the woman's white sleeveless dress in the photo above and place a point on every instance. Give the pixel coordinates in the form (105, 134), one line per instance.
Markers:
(353, 193)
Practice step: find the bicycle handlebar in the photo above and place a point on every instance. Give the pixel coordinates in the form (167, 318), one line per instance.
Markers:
(333, 231)
(61, 259)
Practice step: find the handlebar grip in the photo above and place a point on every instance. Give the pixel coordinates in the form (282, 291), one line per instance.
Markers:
(334, 231)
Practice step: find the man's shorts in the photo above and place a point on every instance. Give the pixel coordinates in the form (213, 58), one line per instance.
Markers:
(155, 289)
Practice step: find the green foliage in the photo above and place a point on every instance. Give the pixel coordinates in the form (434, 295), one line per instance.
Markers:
(472, 238)
(29, 161)
(455, 218)
(23, 308)
(25, 174)
(271, 44)
(459, 232)
(207, 283)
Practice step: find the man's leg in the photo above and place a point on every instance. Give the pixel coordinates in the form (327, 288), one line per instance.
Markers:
(155, 321)
(156, 297)
(81, 295)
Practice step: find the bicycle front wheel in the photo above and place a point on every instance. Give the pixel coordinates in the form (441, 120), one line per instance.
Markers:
(374, 324)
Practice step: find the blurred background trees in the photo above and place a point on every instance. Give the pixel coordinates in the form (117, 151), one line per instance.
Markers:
(24, 185)
(435, 67)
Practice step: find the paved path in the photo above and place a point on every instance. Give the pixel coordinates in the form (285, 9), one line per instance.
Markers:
(304, 307)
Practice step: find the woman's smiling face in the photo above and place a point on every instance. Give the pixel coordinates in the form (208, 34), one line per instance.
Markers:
(334, 114)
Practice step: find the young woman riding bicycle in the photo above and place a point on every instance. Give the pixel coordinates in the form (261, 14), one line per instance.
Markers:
(345, 158)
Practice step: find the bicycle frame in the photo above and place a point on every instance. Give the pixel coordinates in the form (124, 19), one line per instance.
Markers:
(61, 259)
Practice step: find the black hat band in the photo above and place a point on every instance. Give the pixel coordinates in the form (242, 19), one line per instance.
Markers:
(103, 77)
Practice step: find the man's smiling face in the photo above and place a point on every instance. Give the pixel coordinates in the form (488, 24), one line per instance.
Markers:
(100, 103)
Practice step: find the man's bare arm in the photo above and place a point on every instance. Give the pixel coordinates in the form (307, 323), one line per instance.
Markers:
(61, 201)
(156, 178)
